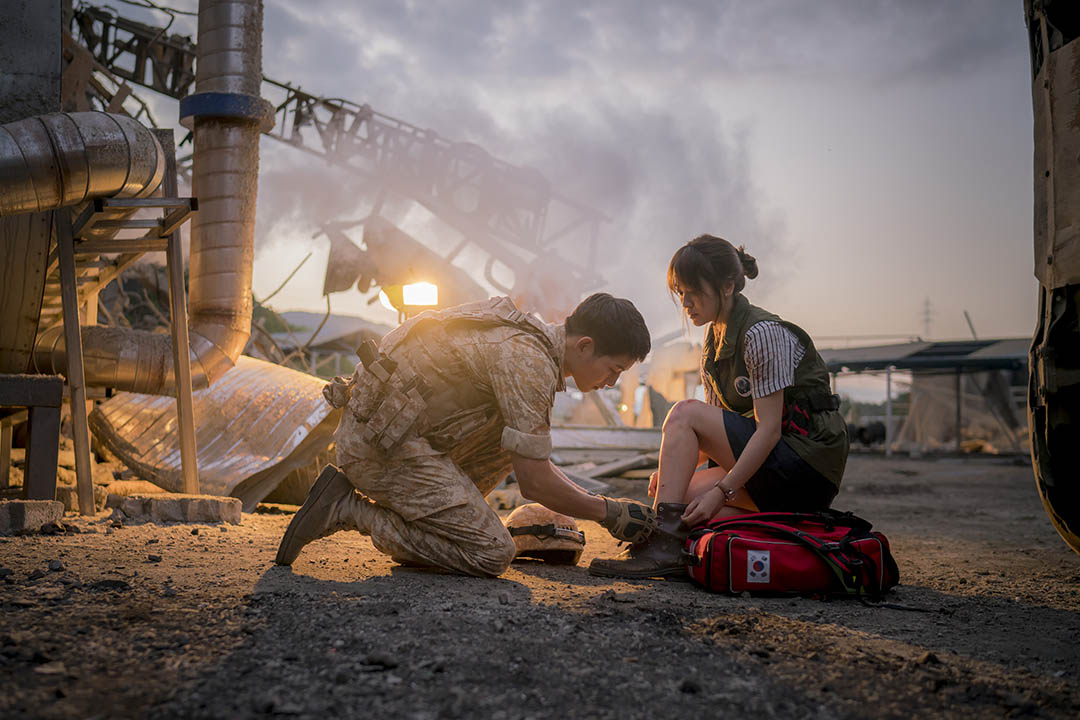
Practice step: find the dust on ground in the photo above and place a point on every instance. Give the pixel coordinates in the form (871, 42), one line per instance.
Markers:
(194, 621)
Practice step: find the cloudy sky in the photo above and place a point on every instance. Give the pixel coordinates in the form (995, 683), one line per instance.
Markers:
(872, 154)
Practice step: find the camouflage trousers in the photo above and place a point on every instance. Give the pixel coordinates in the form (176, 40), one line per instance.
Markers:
(427, 511)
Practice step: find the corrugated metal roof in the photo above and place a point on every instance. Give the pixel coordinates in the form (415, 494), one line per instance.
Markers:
(1005, 354)
(253, 418)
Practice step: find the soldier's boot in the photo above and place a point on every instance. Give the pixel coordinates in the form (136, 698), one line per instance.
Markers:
(659, 555)
(333, 504)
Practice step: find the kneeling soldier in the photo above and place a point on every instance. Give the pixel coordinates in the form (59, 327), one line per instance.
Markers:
(443, 409)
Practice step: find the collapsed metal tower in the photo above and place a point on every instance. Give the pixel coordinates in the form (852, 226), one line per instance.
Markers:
(510, 212)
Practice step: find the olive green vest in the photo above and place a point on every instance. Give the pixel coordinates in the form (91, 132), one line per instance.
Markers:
(724, 371)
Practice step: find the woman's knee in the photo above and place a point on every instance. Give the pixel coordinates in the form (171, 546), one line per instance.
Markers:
(681, 416)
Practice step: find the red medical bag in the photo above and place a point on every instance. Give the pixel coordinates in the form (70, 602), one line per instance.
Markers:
(820, 553)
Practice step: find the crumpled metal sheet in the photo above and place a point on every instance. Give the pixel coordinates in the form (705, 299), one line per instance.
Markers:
(253, 427)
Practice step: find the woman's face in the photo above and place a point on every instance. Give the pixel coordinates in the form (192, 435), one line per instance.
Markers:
(702, 305)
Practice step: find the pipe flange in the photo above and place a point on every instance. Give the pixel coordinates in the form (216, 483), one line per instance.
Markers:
(226, 105)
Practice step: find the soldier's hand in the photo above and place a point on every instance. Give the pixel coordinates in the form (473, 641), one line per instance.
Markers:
(628, 519)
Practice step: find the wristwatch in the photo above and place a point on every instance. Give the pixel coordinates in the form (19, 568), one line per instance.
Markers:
(729, 495)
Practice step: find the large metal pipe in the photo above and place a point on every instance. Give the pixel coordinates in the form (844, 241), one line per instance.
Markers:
(227, 117)
(60, 159)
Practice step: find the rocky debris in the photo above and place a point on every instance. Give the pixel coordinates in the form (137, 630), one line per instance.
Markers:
(69, 495)
(169, 507)
(110, 586)
(120, 489)
(22, 516)
(55, 566)
(59, 529)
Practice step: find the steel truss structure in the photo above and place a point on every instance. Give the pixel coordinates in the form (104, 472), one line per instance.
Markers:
(509, 211)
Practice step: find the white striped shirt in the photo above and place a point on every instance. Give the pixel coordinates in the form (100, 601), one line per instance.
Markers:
(772, 353)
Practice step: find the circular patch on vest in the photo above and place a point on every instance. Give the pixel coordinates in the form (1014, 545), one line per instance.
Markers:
(742, 386)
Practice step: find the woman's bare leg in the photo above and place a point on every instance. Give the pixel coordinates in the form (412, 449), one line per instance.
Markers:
(691, 427)
(705, 480)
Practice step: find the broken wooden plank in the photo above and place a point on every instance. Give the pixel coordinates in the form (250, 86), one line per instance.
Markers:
(617, 467)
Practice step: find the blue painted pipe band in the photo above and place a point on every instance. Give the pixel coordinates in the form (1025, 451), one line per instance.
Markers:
(226, 105)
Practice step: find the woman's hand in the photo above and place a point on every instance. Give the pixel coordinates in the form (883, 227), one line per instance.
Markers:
(654, 480)
(702, 508)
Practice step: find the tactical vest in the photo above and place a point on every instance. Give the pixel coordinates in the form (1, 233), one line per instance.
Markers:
(395, 391)
(812, 424)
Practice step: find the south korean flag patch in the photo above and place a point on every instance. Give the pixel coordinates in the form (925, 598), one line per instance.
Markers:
(757, 566)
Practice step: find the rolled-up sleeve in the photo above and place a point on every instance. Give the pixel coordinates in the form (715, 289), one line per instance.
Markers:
(524, 378)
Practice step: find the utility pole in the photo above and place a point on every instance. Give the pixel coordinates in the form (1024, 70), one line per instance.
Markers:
(927, 316)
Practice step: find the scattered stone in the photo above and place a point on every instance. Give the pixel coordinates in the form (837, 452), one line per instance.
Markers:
(22, 516)
(153, 558)
(110, 585)
(169, 507)
(265, 704)
(169, 592)
(690, 687)
(36, 574)
(194, 531)
(120, 489)
(151, 541)
(56, 565)
(65, 476)
(66, 459)
(377, 662)
(504, 598)
(928, 658)
(288, 708)
(275, 509)
(69, 495)
(51, 668)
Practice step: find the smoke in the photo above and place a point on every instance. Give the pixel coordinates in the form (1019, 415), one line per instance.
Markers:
(629, 108)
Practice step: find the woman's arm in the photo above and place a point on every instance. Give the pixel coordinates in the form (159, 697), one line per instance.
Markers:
(768, 412)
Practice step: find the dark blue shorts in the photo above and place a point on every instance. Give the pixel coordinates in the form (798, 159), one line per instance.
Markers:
(785, 482)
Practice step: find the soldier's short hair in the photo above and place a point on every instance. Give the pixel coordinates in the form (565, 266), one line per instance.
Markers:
(614, 324)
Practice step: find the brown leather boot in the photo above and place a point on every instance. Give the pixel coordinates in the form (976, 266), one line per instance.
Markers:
(333, 504)
(659, 555)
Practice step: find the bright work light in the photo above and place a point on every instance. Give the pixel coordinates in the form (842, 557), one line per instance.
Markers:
(420, 293)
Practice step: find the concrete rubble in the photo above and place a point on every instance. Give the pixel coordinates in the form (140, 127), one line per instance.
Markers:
(173, 507)
(20, 516)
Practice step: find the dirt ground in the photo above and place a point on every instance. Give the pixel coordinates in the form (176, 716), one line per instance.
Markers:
(194, 621)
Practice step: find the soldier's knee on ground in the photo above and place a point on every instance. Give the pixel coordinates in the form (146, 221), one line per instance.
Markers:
(494, 559)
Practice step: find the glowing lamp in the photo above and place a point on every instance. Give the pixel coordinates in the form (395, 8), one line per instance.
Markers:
(420, 294)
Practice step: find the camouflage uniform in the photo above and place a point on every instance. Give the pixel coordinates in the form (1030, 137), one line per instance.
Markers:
(491, 373)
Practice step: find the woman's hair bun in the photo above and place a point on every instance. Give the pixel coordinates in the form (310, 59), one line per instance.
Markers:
(748, 262)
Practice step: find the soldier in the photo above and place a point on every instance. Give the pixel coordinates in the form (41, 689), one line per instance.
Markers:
(443, 409)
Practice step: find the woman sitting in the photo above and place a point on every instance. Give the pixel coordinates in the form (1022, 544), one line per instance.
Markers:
(770, 426)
